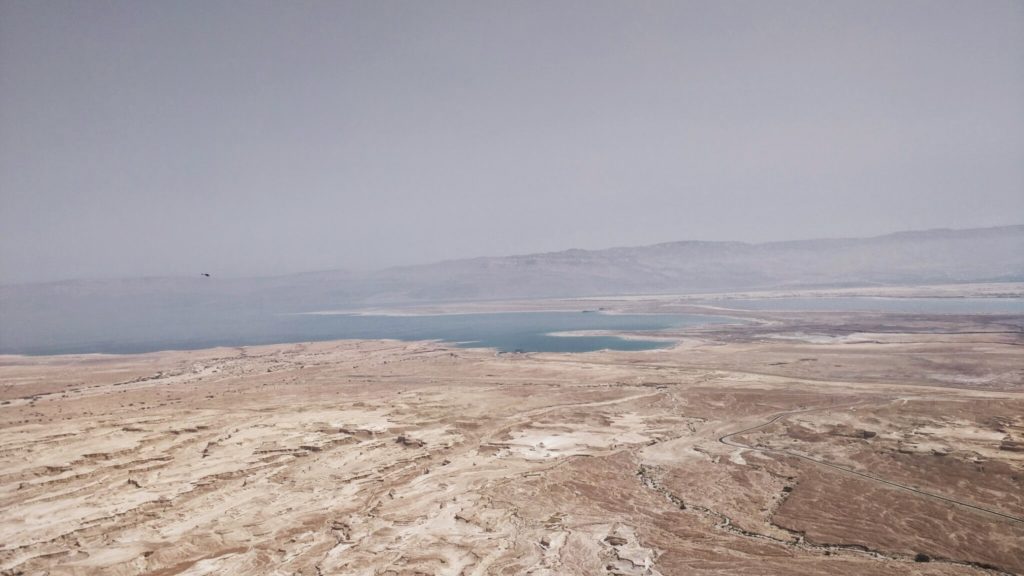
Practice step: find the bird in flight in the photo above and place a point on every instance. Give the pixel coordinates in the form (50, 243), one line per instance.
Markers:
(205, 274)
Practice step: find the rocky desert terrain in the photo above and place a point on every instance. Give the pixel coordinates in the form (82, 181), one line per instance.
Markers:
(795, 444)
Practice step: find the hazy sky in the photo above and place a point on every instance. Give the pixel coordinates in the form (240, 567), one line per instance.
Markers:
(167, 138)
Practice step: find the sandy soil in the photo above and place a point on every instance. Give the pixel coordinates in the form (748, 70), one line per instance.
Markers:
(799, 444)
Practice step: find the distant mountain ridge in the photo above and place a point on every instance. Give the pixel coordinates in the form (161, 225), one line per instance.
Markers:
(918, 257)
(198, 311)
(901, 258)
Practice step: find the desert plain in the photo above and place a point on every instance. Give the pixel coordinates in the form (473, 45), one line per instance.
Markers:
(788, 443)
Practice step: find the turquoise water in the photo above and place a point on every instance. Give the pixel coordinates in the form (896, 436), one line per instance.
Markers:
(507, 332)
(121, 328)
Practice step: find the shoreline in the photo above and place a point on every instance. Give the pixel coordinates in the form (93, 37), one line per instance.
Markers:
(632, 305)
(345, 455)
(303, 456)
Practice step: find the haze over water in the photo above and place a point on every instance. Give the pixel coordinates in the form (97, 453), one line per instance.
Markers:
(507, 332)
(106, 331)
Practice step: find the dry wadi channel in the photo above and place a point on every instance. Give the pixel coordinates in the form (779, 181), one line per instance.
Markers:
(828, 444)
